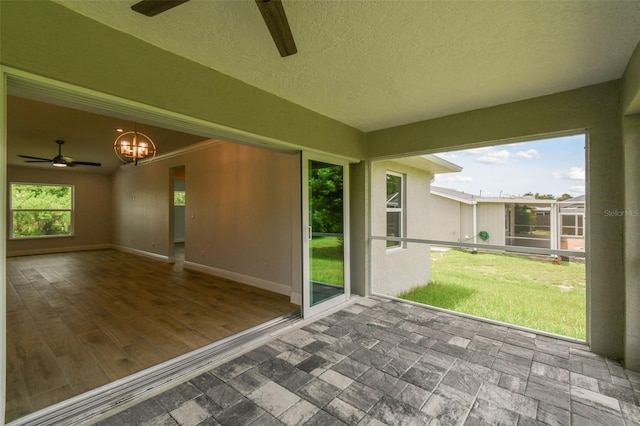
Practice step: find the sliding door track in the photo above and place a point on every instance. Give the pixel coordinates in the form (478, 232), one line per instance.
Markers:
(137, 387)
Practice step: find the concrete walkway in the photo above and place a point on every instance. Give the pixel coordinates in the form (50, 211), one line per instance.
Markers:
(385, 362)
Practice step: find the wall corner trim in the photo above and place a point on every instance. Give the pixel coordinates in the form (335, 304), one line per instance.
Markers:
(296, 298)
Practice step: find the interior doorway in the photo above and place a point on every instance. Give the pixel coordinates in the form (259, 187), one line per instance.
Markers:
(178, 208)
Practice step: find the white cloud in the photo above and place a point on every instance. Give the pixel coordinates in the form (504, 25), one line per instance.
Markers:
(454, 178)
(574, 173)
(495, 157)
(528, 154)
(578, 189)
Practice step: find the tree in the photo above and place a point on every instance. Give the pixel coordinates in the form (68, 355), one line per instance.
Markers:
(325, 193)
(564, 196)
(525, 218)
(41, 210)
(544, 196)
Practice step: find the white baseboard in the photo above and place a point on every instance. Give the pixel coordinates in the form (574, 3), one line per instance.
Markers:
(296, 299)
(31, 252)
(241, 278)
(155, 256)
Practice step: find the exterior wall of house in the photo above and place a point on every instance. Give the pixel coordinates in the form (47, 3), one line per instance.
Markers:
(491, 219)
(594, 109)
(631, 85)
(632, 240)
(242, 213)
(400, 269)
(359, 227)
(91, 218)
(631, 132)
(445, 221)
(466, 222)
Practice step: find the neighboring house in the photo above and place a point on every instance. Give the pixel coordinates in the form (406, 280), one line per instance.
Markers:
(572, 223)
(399, 203)
(461, 217)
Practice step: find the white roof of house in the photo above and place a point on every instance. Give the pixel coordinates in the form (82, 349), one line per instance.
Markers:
(430, 163)
(452, 194)
(465, 198)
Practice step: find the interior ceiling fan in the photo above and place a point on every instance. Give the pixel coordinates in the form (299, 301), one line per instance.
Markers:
(59, 160)
(272, 12)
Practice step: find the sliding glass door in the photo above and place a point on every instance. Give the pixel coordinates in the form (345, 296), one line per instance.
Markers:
(325, 233)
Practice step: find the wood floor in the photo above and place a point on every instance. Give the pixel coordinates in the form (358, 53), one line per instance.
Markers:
(76, 321)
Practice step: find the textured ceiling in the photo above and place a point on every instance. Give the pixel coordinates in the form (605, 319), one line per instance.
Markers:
(377, 64)
(91, 141)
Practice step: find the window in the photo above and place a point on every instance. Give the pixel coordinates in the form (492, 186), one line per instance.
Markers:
(39, 210)
(572, 225)
(395, 208)
(179, 198)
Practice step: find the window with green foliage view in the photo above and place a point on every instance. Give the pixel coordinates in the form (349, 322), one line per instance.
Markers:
(179, 198)
(41, 210)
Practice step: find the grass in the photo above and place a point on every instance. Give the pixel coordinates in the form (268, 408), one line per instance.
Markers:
(327, 260)
(531, 293)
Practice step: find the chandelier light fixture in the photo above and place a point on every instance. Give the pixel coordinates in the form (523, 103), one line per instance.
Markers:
(130, 147)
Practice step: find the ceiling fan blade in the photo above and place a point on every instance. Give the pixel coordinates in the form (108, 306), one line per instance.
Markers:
(37, 161)
(35, 158)
(84, 163)
(155, 7)
(273, 14)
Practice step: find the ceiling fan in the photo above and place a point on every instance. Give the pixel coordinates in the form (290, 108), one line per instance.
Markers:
(59, 160)
(272, 12)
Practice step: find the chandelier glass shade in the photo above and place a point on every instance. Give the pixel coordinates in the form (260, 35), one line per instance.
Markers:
(130, 147)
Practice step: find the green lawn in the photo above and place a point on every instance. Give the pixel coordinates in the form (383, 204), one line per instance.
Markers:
(531, 293)
(327, 260)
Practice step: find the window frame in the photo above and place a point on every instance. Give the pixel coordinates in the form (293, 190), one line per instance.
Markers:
(577, 227)
(396, 245)
(12, 210)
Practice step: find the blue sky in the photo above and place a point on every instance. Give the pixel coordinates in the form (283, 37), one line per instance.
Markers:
(550, 166)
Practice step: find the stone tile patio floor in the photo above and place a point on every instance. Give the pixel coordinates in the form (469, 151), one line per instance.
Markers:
(385, 362)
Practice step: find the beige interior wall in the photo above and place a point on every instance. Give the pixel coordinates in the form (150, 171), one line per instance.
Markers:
(595, 109)
(242, 213)
(141, 208)
(92, 219)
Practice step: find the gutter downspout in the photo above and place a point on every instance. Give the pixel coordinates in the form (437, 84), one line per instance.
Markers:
(475, 222)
